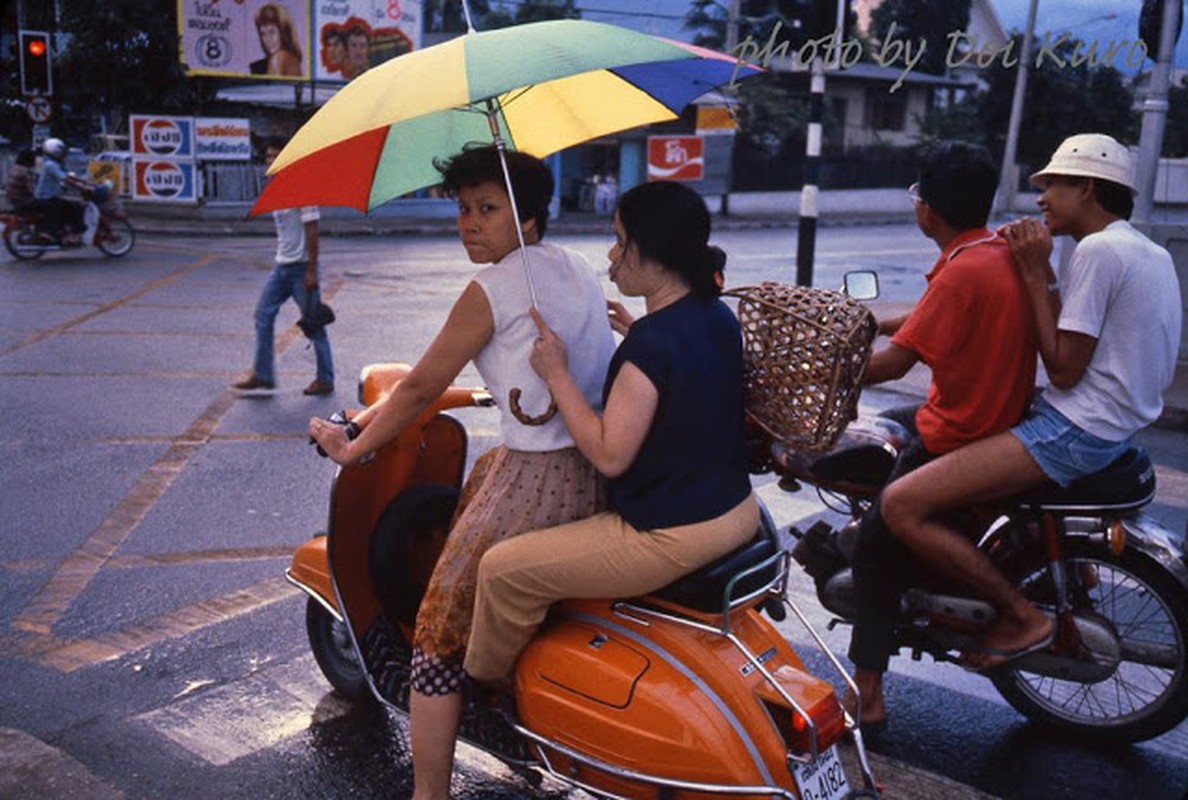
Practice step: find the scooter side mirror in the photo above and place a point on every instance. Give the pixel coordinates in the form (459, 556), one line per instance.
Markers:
(862, 284)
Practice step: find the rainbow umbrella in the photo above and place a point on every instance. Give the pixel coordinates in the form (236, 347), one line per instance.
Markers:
(538, 88)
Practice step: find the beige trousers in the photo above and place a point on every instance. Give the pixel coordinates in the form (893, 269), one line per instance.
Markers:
(600, 557)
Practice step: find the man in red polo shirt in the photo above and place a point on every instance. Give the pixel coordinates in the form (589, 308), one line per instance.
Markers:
(974, 329)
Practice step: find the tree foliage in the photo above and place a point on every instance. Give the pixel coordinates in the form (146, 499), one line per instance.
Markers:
(1062, 98)
(122, 56)
(792, 21)
(930, 20)
(499, 16)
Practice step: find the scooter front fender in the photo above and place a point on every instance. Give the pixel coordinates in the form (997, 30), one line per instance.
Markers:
(309, 571)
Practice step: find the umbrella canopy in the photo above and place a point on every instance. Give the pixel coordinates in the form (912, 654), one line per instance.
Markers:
(542, 87)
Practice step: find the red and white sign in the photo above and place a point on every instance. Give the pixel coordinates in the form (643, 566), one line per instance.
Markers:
(676, 158)
(162, 137)
(165, 181)
(38, 109)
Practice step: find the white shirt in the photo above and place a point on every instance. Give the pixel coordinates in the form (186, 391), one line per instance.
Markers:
(290, 232)
(571, 301)
(1120, 288)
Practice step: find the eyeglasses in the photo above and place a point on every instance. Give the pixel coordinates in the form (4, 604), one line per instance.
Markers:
(914, 193)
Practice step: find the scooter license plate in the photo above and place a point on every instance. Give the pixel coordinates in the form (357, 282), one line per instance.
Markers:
(823, 778)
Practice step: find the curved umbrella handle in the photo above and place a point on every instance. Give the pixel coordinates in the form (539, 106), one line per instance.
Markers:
(513, 398)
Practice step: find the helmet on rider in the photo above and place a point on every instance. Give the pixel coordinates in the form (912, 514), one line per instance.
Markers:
(54, 148)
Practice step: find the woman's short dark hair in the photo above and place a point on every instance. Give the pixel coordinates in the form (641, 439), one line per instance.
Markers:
(531, 179)
(669, 223)
(958, 180)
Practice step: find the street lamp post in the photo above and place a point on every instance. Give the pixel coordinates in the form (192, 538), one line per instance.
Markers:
(1155, 115)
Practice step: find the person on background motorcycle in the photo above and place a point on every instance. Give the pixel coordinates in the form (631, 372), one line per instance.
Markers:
(63, 218)
(537, 478)
(973, 328)
(18, 188)
(1108, 333)
(670, 440)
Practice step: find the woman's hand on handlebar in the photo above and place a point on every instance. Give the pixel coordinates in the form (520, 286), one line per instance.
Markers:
(332, 438)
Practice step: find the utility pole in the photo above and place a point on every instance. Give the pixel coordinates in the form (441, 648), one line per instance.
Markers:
(1008, 180)
(732, 15)
(1155, 114)
(806, 232)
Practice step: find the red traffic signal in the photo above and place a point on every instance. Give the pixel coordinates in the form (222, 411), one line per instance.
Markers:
(36, 73)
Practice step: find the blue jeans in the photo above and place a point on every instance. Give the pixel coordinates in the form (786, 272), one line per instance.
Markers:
(285, 281)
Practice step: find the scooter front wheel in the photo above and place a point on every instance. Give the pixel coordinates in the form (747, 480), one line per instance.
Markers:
(331, 645)
(116, 236)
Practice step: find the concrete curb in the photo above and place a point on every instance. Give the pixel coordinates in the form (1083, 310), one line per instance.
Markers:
(30, 769)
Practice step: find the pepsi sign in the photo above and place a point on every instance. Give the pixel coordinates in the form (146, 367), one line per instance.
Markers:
(166, 181)
(162, 137)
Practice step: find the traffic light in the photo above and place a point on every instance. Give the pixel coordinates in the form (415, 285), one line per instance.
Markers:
(36, 74)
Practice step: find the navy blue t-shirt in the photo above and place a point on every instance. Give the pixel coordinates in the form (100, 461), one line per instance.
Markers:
(692, 466)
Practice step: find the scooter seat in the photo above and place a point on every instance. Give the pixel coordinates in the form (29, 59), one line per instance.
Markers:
(1126, 484)
(705, 589)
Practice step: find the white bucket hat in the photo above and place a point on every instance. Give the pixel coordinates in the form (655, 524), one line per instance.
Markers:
(1090, 155)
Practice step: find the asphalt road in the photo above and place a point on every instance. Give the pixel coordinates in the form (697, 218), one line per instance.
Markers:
(148, 644)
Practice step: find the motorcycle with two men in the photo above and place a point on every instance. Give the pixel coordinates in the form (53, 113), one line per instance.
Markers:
(693, 692)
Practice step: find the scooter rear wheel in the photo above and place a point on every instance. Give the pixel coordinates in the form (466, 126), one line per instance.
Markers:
(1147, 694)
(331, 645)
(21, 241)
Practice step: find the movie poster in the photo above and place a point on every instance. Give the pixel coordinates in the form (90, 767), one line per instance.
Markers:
(354, 35)
(262, 39)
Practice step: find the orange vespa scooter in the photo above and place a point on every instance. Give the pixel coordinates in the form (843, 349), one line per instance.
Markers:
(687, 693)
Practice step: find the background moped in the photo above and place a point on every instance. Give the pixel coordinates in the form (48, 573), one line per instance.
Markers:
(106, 227)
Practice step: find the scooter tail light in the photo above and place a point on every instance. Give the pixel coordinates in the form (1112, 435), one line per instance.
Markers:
(828, 720)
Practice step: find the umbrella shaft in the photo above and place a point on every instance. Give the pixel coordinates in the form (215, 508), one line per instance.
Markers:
(501, 147)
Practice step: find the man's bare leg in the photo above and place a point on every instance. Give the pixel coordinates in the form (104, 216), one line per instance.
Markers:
(987, 470)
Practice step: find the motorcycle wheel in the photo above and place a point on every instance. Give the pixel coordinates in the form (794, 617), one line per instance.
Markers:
(331, 645)
(115, 237)
(21, 241)
(1147, 694)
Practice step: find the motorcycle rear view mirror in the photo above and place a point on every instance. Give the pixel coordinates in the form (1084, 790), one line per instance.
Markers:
(862, 284)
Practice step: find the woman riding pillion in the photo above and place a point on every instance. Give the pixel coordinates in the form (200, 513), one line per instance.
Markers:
(536, 478)
(670, 439)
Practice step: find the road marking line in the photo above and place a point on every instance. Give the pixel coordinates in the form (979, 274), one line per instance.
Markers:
(70, 655)
(236, 554)
(80, 567)
(76, 572)
(152, 286)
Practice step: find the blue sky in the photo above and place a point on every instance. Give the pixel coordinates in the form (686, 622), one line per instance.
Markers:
(1085, 19)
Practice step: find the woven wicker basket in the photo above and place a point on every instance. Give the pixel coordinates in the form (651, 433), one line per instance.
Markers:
(805, 352)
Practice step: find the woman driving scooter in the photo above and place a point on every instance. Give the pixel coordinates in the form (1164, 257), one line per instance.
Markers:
(536, 478)
(670, 439)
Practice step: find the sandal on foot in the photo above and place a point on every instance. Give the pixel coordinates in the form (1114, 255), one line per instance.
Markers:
(1006, 656)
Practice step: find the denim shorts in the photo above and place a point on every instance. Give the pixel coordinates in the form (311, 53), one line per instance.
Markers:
(1063, 450)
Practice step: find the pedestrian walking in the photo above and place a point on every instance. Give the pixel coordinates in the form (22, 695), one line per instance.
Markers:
(295, 275)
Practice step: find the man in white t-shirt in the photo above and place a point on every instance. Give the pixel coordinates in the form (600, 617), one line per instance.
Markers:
(295, 275)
